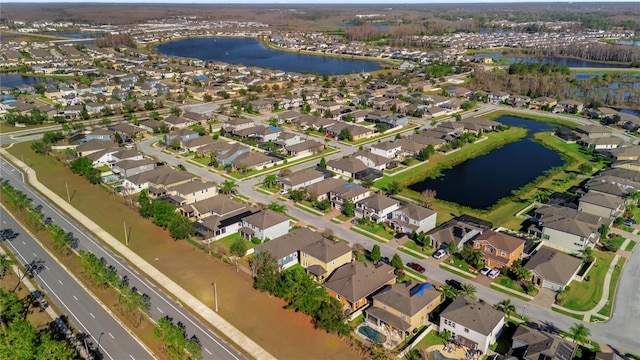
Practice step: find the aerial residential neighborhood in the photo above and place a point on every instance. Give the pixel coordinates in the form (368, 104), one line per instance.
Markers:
(373, 185)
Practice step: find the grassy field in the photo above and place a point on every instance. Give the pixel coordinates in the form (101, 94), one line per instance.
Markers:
(541, 118)
(426, 250)
(432, 338)
(583, 296)
(376, 229)
(630, 245)
(284, 333)
(509, 283)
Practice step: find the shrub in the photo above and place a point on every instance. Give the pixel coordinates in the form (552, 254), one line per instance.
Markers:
(256, 240)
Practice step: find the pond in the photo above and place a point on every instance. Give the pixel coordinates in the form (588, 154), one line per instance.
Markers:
(249, 51)
(482, 181)
(13, 80)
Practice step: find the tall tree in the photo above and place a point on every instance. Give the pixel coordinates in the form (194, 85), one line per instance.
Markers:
(228, 187)
(506, 307)
(579, 333)
(447, 292)
(5, 264)
(469, 290)
(375, 254)
(270, 181)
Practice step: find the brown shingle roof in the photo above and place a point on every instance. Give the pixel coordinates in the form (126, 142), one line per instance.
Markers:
(482, 318)
(265, 219)
(553, 266)
(356, 280)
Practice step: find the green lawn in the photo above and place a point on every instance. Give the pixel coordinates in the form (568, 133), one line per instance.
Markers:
(367, 234)
(425, 250)
(432, 338)
(583, 296)
(308, 209)
(227, 241)
(509, 283)
(630, 245)
(458, 263)
(411, 253)
(536, 117)
(575, 316)
(343, 217)
(376, 229)
(415, 273)
(510, 293)
(503, 343)
(357, 321)
(615, 276)
(464, 274)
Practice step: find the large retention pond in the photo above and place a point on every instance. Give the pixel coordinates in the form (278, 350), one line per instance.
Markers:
(248, 51)
(482, 181)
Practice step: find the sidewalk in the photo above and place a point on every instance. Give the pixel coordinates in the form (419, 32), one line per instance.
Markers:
(171, 287)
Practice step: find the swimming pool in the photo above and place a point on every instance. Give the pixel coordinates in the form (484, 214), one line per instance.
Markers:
(372, 334)
(437, 355)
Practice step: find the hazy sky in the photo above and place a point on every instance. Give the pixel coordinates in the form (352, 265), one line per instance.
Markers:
(390, 2)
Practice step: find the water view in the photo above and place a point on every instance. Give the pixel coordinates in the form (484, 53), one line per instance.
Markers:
(248, 51)
(570, 62)
(13, 80)
(482, 181)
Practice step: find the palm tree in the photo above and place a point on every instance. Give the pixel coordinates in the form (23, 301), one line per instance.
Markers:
(277, 207)
(445, 335)
(5, 264)
(579, 333)
(506, 307)
(270, 181)
(469, 290)
(228, 187)
(447, 292)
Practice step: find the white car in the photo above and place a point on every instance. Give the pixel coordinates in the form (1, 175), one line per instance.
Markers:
(485, 270)
(284, 192)
(439, 254)
(493, 273)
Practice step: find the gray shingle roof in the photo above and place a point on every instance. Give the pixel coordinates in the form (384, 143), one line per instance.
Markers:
(482, 318)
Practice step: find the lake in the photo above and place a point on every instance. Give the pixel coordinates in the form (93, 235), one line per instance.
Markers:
(570, 62)
(13, 80)
(249, 52)
(482, 181)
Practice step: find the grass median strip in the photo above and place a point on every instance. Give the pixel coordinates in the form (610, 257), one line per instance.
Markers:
(411, 253)
(307, 209)
(509, 292)
(367, 234)
(560, 311)
(453, 270)
(630, 245)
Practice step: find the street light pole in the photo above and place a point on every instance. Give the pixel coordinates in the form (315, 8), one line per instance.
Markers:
(67, 187)
(215, 294)
(126, 235)
(524, 307)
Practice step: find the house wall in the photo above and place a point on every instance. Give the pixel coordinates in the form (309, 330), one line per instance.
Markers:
(345, 303)
(136, 170)
(133, 188)
(289, 260)
(307, 260)
(340, 172)
(563, 241)
(483, 340)
(200, 195)
(301, 185)
(389, 154)
(272, 137)
(271, 232)
(595, 209)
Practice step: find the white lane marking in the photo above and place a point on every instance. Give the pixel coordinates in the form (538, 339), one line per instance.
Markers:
(207, 350)
(75, 297)
(111, 335)
(161, 312)
(4, 222)
(46, 267)
(131, 356)
(93, 316)
(60, 281)
(34, 254)
(24, 243)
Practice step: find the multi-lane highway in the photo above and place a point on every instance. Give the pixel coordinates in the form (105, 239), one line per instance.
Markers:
(160, 304)
(88, 316)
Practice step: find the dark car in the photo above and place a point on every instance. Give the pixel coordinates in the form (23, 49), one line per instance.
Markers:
(417, 267)
(454, 284)
(629, 222)
(160, 163)
(48, 221)
(386, 260)
(38, 208)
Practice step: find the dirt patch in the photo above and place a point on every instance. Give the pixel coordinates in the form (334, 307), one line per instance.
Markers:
(282, 332)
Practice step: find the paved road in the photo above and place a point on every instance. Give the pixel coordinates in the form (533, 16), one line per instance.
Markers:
(88, 316)
(161, 304)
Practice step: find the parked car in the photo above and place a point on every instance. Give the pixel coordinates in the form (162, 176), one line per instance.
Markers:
(417, 267)
(213, 163)
(493, 273)
(354, 221)
(385, 259)
(439, 254)
(454, 284)
(629, 222)
(284, 192)
(485, 270)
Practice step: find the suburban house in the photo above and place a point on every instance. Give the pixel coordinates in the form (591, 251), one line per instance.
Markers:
(156, 180)
(376, 207)
(126, 168)
(410, 218)
(348, 192)
(625, 153)
(388, 149)
(474, 325)
(301, 179)
(322, 256)
(100, 134)
(197, 143)
(350, 167)
(151, 125)
(217, 217)
(236, 124)
(532, 344)
(224, 153)
(178, 122)
(191, 192)
(286, 139)
(181, 136)
(602, 143)
(594, 131)
(265, 224)
(603, 205)
(354, 282)
(498, 249)
(321, 190)
(286, 248)
(305, 148)
(252, 160)
(566, 229)
(93, 146)
(459, 230)
(551, 269)
(374, 161)
(404, 307)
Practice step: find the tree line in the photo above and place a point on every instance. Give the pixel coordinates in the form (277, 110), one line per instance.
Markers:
(164, 215)
(301, 293)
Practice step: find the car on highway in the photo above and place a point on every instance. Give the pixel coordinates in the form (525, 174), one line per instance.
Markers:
(48, 221)
(417, 267)
(439, 254)
(493, 273)
(38, 208)
(485, 270)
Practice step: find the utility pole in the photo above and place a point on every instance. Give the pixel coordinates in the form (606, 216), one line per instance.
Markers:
(215, 294)
(126, 234)
(66, 185)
